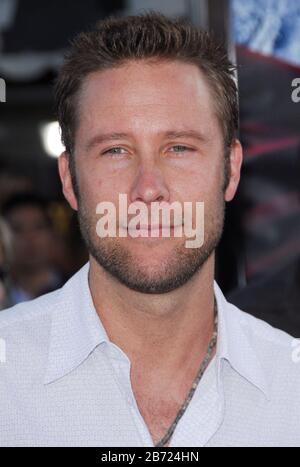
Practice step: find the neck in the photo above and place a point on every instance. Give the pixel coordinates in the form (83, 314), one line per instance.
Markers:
(147, 326)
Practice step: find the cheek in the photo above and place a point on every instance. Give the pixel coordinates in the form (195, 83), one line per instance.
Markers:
(197, 187)
(208, 190)
(96, 188)
(106, 186)
(90, 184)
(200, 176)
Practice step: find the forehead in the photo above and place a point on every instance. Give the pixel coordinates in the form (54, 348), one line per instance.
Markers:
(147, 92)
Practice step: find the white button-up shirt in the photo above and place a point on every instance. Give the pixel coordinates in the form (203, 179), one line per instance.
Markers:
(64, 383)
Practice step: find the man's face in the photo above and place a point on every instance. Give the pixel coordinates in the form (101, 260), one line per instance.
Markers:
(151, 107)
(32, 237)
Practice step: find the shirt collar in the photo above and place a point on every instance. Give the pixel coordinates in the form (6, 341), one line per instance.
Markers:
(234, 344)
(76, 330)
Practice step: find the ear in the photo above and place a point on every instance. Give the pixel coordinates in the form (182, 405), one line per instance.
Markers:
(236, 159)
(66, 180)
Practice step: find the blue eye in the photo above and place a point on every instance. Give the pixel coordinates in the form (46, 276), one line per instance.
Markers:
(114, 151)
(180, 148)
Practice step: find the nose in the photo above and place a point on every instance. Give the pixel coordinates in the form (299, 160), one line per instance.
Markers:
(149, 186)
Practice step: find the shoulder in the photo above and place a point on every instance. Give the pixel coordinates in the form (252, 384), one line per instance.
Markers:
(260, 330)
(277, 352)
(37, 310)
(25, 329)
(28, 330)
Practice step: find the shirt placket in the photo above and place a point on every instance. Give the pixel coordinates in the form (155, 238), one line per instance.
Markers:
(121, 367)
(203, 415)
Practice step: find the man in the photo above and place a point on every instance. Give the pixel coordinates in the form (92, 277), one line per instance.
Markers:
(32, 271)
(140, 347)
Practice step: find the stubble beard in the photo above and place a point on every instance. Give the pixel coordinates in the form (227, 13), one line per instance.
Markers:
(182, 264)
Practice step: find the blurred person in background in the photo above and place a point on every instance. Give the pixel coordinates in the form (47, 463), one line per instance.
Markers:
(5, 257)
(12, 183)
(32, 272)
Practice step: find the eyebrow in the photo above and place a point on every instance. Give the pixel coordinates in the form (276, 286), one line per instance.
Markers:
(106, 137)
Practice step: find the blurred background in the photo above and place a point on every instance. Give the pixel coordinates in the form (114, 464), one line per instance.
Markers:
(258, 260)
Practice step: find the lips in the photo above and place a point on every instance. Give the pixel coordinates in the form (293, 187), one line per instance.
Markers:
(157, 230)
(155, 227)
